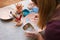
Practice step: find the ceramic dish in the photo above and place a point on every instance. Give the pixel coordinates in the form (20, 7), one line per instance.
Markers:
(25, 12)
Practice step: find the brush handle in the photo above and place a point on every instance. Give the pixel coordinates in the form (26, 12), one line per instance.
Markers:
(20, 17)
(13, 14)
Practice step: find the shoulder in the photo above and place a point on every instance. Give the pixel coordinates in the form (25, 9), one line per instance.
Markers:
(53, 23)
(53, 30)
(53, 26)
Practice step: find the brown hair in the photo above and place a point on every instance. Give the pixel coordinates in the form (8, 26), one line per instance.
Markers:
(35, 1)
(46, 8)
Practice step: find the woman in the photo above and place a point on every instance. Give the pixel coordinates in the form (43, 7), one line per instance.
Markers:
(49, 16)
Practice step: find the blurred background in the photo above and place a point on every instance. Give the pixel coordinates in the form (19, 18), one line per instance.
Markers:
(9, 2)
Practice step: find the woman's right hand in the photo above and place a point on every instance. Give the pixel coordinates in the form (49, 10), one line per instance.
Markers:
(34, 35)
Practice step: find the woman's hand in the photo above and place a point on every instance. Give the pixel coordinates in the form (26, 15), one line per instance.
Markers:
(34, 35)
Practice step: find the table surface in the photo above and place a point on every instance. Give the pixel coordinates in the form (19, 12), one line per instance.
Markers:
(9, 31)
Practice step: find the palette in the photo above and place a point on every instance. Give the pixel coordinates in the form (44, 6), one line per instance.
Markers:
(28, 27)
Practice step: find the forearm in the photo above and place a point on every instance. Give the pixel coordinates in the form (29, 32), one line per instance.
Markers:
(40, 37)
